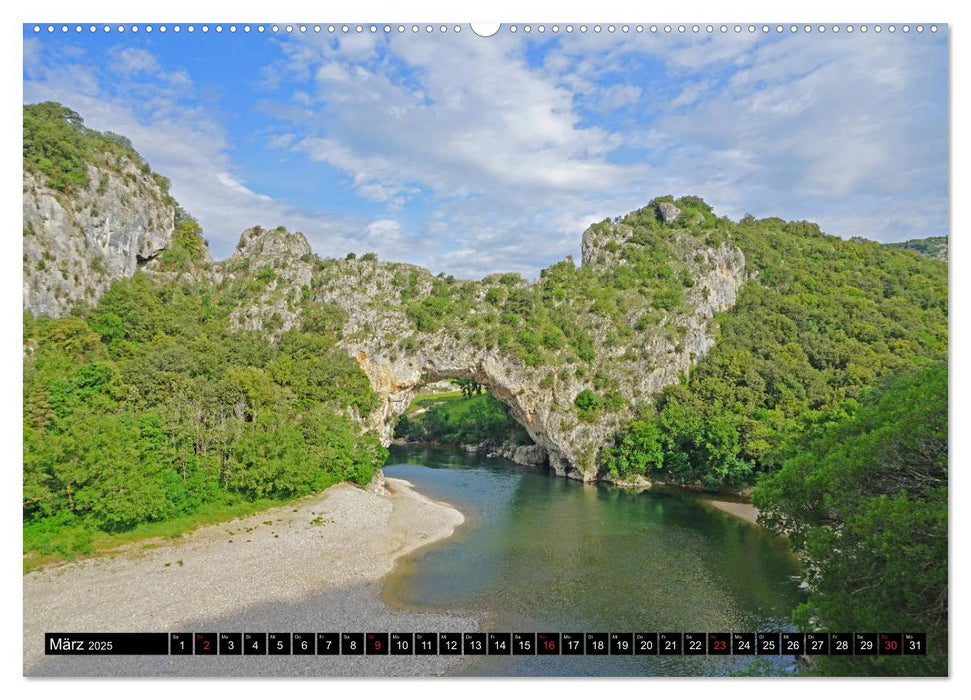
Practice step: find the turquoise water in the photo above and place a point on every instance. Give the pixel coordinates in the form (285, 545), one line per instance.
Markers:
(545, 554)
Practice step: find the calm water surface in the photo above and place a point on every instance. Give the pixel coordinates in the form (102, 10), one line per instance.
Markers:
(544, 554)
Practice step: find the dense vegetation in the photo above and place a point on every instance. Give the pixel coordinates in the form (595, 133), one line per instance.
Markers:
(825, 319)
(471, 419)
(187, 246)
(933, 246)
(822, 320)
(58, 146)
(862, 493)
(150, 407)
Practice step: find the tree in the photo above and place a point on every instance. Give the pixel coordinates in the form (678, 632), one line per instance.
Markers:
(469, 387)
(864, 499)
(637, 450)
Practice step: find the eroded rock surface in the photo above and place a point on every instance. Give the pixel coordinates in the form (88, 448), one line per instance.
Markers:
(76, 245)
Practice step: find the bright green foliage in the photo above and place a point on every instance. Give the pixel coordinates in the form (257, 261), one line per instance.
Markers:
(468, 420)
(188, 245)
(638, 451)
(588, 404)
(863, 495)
(58, 145)
(469, 387)
(825, 319)
(557, 319)
(150, 407)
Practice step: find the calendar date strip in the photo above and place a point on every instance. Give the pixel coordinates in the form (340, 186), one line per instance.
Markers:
(486, 643)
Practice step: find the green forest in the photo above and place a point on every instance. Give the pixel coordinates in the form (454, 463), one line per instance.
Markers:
(462, 420)
(823, 320)
(59, 147)
(148, 409)
(862, 495)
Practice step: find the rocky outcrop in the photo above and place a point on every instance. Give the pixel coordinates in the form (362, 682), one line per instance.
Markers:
(527, 455)
(257, 244)
(398, 360)
(668, 211)
(573, 360)
(934, 247)
(76, 244)
(278, 263)
(278, 280)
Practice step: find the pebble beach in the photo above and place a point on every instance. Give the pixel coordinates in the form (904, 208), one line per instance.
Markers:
(314, 565)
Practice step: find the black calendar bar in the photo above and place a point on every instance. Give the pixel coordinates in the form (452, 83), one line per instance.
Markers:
(376, 644)
(106, 644)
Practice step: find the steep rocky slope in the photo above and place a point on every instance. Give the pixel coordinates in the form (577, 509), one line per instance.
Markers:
(93, 210)
(579, 354)
(75, 246)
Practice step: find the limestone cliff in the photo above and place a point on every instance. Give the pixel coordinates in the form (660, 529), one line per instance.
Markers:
(76, 244)
(93, 210)
(399, 360)
(280, 262)
(407, 328)
(634, 353)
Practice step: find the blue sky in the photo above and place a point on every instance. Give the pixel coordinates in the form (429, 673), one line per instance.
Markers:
(475, 155)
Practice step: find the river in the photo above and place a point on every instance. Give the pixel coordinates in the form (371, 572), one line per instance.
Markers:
(545, 554)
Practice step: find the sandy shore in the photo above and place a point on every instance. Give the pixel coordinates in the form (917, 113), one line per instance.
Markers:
(745, 511)
(315, 565)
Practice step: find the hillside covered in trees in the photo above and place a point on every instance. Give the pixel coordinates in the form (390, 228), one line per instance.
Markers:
(149, 408)
(822, 320)
(933, 246)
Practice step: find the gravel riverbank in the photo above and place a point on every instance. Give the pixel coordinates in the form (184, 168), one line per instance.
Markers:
(745, 511)
(314, 565)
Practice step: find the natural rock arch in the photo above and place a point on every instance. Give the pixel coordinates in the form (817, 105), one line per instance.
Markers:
(398, 358)
(542, 398)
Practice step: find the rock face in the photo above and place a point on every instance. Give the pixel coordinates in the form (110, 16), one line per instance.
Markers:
(632, 320)
(399, 360)
(541, 398)
(529, 455)
(638, 354)
(278, 259)
(669, 212)
(76, 245)
(270, 245)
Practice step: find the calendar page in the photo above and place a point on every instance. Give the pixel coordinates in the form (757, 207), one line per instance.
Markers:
(517, 349)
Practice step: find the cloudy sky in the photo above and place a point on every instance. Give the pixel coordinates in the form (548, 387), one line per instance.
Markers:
(474, 155)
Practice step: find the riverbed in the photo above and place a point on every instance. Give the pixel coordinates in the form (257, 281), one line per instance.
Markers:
(544, 554)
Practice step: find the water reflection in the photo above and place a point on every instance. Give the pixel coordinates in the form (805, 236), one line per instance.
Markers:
(549, 554)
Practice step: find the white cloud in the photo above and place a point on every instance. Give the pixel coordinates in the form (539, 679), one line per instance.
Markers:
(131, 61)
(803, 128)
(333, 72)
(479, 120)
(617, 96)
(189, 148)
(387, 232)
(473, 158)
(691, 94)
(467, 124)
(281, 141)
